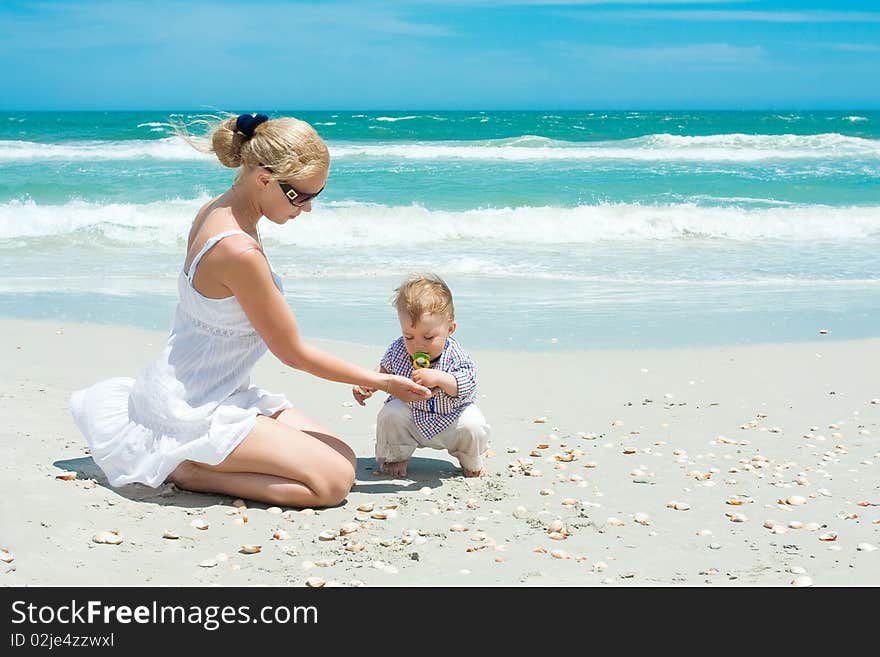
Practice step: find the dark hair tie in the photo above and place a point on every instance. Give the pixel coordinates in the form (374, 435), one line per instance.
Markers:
(247, 123)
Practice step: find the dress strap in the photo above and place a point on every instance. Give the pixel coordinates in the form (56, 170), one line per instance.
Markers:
(211, 242)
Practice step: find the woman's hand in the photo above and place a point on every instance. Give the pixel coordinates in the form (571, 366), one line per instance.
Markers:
(406, 390)
(361, 394)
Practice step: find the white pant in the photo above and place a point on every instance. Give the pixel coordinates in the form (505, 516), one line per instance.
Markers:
(397, 436)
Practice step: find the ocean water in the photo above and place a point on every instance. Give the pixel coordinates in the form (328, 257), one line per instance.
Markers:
(555, 230)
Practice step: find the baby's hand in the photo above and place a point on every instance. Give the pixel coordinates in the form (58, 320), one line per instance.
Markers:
(426, 377)
(361, 394)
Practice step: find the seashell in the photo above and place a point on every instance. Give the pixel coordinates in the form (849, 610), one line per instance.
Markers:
(387, 543)
(110, 538)
(569, 502)
(88, 483)
(512, 450)
(796, 500)
(66, 476)
(558, 536)
(617, 423)
(796, 524)
(307, 512)
(542, 446)
(734, 502)
(355, 547)
(520, 512)
(208, 563)
(779, 529)
(328, 535)
(6, 556)
(546, 491)
(866, 547)
(590, 464)
(500, 559)
(642, 518)
(556, 526)
(802, 580)
(535, 452)
(239, 504)
(349, 528)
(280, 535)
(170, 535)
(704, 532)
(315, 582)
(736, 517)
(849, 516)
(472, 504)
(615, 522)
(559, 554)
(250, 549)
(274, 510)
(797, 570)
(458, 528)
(200, 523)
(830, 536)
(539, 420)
(564, 458)
(366, 508)
(679, 506)
(540, 550)
(535, 473)
(812, 526)
(629, 450)
(769, 524)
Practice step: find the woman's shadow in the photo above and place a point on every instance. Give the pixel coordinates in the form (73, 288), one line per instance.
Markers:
(420, 473)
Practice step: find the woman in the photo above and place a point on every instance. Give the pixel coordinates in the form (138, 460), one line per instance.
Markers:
(193, 417)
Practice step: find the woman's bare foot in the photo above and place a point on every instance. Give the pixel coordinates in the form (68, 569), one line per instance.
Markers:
(475, 473)
(183, 475)
(396, 469)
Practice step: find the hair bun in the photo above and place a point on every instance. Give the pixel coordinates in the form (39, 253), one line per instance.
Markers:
(247, 123)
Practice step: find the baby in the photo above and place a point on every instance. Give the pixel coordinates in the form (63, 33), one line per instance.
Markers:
(426, 353)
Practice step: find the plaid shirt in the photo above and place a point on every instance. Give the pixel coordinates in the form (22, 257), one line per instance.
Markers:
(441, 411)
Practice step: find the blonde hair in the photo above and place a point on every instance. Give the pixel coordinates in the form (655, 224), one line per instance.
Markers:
(424, 294)
(289, 146)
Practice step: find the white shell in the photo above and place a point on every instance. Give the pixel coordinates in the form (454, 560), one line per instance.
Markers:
(559, 554)
(615, 522)
(110, 538)
(6, 556)
(802, 580)
(208, 563)
(458, 528)
(274, 510)
(280, 535)
(796, 500)
(569, 502)
(199, 523)
(642, 518)
(830, 536)
(328, 535)
(349, 528)
(170, 535)
(315, 582)
(239, 504)
(250, 549)
(365, 508)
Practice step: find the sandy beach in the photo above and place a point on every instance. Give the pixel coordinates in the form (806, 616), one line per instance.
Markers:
(753, 465)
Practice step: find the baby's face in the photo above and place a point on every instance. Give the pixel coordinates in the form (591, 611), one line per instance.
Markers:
(428, 334)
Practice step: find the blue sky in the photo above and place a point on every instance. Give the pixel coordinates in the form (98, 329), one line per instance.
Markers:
(452, 54)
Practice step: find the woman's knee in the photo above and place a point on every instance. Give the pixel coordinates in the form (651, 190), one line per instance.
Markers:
(334, 486)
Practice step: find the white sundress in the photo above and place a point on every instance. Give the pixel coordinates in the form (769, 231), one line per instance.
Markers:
(194, 402)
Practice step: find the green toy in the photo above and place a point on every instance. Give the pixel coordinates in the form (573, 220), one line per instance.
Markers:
(421, 360)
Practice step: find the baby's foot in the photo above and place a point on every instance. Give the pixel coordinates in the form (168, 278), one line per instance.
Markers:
(475, 473)
(396, 469)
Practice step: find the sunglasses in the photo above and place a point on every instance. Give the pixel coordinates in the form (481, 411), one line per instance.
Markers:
(297, 199)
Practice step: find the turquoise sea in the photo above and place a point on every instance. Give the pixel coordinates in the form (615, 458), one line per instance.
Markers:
(555, 230)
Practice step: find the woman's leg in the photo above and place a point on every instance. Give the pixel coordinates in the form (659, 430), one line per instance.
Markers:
(279, 464)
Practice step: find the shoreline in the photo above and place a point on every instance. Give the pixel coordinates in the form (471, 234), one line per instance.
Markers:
(794, 421)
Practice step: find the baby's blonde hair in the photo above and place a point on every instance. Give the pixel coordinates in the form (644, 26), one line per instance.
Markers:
(290, 147)
(424, 294)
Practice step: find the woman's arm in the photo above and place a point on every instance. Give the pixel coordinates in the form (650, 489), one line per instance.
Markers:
(247, 274)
